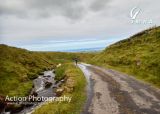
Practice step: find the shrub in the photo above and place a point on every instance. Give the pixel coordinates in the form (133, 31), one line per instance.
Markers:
(59, 73)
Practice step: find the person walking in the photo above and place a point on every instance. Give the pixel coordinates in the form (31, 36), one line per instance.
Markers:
(76, 61)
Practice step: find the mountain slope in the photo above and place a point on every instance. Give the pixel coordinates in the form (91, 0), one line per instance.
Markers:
(138, 55)
(18, 68)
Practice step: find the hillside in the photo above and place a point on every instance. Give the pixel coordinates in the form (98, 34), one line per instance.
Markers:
(138, 55)
(19, 67)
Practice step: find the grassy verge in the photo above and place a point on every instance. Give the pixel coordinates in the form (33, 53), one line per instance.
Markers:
(74, 87)
(60, 72)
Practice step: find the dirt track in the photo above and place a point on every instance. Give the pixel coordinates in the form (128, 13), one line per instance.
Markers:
(111, 92)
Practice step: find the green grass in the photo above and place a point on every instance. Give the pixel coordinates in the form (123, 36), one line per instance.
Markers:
(73, 87)
(19, 67)
(60, 73)
(138, 56)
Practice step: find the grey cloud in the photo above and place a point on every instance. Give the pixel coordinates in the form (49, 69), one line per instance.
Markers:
(98, 5)
(55, 18)
(4, 10)
(68, 8)
(43, 8)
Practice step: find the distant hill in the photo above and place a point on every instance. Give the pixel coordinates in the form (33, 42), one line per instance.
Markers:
(97, 49)
(138, 55)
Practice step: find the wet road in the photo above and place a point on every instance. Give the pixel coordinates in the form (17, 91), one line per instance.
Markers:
(112, 92)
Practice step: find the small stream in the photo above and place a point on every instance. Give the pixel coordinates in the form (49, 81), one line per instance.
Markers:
(44, 86)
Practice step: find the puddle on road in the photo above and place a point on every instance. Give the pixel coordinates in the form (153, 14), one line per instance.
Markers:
(90, 84)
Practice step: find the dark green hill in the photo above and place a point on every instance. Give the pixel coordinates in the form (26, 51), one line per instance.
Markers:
(138, 55)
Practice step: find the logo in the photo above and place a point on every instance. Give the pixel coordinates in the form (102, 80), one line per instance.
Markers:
(134, 17)
(134, 12)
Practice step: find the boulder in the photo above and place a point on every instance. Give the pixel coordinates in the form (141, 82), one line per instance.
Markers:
(59, 91)
(48, 84)
(34, 93)
(14, 108)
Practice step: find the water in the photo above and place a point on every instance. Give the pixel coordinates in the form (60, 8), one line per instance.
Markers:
(41, 90)
(90, 84)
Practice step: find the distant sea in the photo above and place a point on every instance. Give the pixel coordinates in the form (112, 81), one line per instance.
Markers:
(85, 50)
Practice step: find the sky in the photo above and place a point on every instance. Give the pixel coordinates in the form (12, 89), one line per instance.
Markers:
(65, 25)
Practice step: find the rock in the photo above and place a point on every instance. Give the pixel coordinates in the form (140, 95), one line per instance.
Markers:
(47, 76)
(70, 83)
(34, 93)
(59, 91)
(54, 86)
(54, 71)
(41, 73)
(59, 65)
(33, 86)
(14, 108)
(2, 103)
(47, 84)
(29, 105)
(62, 80)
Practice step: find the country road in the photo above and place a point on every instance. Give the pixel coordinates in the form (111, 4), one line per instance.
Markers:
(112, 92)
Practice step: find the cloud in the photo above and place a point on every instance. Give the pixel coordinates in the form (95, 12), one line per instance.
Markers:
(14, 7)
(72, 9)
(30, 21)
(99, 5)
